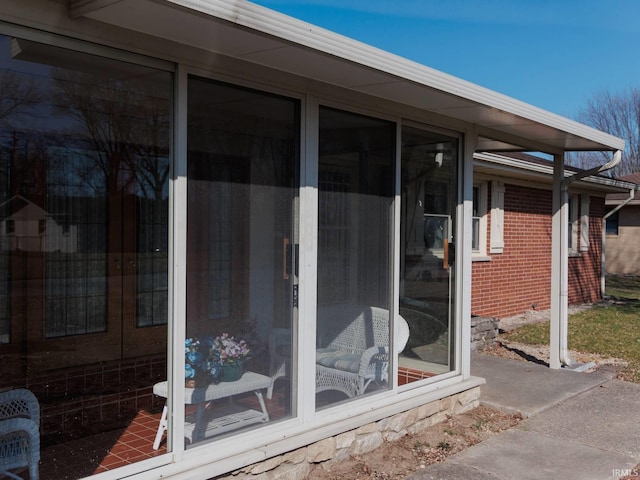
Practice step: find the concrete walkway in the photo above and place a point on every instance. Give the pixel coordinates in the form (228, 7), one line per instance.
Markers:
(582, 426)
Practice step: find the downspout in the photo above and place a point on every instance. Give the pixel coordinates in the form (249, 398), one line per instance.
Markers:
(603, 273)
(562, 358)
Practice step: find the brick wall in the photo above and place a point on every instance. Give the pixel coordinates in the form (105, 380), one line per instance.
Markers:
(585, 269)
(519, 279)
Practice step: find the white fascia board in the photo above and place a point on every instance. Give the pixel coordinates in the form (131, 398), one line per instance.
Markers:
(508, 164)
(301, 33)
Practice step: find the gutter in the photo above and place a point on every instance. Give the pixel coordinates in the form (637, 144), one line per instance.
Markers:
(632, 195)
(617, 158)
(562, 315)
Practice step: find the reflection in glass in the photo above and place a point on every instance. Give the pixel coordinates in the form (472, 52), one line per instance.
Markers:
(242, 237)
(426, 250)
(356, 184)
(84, 165)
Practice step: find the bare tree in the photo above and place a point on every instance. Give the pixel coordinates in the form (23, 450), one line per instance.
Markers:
(17, 94)
(617, 113)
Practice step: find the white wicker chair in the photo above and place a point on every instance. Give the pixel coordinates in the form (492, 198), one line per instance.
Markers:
(19, 432)
(353, 347)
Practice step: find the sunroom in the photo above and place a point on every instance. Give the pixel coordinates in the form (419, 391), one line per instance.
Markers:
(226, 234)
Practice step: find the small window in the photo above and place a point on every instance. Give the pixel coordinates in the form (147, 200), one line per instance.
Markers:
(436, 218)
(479, 219)
(572, 237)
(42, 226)
(612, 224)
(10, 227)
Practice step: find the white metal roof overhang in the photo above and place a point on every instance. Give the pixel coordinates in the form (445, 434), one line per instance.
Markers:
(252, 33)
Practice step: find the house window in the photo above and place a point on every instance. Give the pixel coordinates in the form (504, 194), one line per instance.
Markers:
(572, 236)
(436, 219)
(612, 223)
(479, 219)
(10, 227)
(578, 234)
(42, 226)
(477, 216)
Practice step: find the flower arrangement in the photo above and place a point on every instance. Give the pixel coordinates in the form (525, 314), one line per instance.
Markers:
(230, 351)
(205, 357)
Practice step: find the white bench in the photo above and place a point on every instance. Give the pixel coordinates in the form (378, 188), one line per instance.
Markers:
(225, 418)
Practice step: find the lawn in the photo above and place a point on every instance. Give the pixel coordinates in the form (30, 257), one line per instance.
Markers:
(611, 329)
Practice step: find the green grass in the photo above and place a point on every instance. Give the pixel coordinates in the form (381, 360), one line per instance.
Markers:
(623, 287)
(609, 330)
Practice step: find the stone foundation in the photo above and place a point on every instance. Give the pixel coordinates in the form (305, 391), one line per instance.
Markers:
(297, 464)
(484, 331)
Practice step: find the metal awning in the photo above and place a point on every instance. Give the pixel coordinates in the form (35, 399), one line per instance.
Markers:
(245, 31)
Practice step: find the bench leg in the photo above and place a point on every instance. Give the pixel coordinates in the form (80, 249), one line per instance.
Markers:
(162, 427)
(265, 413)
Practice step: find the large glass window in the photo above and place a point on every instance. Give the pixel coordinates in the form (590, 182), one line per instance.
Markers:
(356, 187)
(242, 237)
(427, 253)
(84, 168)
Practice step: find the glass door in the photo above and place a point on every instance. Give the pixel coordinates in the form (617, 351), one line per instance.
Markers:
(427, 252)
(84, 169)
(242, 191)
(355, 197)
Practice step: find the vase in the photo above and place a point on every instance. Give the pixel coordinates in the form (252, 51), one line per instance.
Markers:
(232, 372)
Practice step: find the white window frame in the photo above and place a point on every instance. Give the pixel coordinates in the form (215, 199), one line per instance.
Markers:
(497, 217)
(585, 202)
(307, 426)
(574, 218)
(480, 251)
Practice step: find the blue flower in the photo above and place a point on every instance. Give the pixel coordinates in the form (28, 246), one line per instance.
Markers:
(194, 358)
(189, 372)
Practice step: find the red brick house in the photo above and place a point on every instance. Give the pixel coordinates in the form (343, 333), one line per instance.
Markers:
(511, 266)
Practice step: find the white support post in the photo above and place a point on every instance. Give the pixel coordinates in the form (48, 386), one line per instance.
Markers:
(463, 254)
(559, 266)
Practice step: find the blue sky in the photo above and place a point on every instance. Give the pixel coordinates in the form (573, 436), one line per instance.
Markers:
(554, 54)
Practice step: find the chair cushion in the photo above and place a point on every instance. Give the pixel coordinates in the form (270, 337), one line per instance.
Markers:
(338, 359)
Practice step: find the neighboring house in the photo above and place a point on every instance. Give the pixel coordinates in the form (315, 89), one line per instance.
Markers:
(233, 171)
(623, 231)
(27, 227)
(512, 252)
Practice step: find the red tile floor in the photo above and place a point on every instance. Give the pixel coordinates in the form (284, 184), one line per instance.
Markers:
(102, 452)
(107, 451)
(98, 453)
